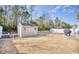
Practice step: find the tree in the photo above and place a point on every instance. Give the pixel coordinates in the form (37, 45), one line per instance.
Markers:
(1, 15)
(58, 23)
(24, 15)
(42, 25)
(12, 15)
(20, 14)
(16, 13)
(66, 25)
(31, 11)
(51, 23)
(5, 14)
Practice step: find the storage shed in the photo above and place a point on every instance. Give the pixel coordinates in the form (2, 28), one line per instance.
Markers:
(27, 30)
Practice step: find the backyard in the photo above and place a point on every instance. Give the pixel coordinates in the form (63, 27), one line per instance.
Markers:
(47, 43)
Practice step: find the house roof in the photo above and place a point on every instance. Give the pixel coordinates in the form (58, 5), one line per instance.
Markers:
(28, 24)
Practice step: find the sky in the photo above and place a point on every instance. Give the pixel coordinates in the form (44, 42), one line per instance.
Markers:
(66, 13)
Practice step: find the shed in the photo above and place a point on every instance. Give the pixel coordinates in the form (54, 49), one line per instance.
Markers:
(27, 30)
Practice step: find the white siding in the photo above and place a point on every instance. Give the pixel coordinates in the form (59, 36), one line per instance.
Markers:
(27, 30)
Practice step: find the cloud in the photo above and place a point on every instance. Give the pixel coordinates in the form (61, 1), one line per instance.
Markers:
(70, 10)
(55, 9)
(63, 8)
(66, 6)
(58, 7)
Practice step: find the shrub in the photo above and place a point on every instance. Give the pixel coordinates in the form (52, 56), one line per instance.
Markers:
(66, 26)
(42, 27)
(8, 28)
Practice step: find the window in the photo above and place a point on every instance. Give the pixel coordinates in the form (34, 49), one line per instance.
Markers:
(24, 29)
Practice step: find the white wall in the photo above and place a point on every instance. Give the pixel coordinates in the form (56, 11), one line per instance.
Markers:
(62, 31)
(57, 30)
(27, 30)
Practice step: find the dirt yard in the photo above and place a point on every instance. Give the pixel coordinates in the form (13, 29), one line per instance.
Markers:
(47, 44)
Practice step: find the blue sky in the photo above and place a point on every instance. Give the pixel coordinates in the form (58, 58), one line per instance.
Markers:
(66, 13)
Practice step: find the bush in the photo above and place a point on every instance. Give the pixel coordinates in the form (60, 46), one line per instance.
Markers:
(42, 27)
(66, 26)
(8, 28)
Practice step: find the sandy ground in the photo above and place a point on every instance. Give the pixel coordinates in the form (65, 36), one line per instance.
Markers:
(45, 44)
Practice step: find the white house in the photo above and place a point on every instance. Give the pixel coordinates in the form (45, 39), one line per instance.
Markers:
(27, 30)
